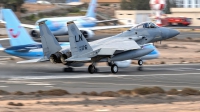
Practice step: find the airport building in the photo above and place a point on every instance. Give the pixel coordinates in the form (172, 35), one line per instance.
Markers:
(132, 16)
(188, 3)
(113, 3)
(138, 16)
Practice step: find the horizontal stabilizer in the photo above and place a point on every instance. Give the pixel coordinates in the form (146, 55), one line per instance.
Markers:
(34, 60)
(78, 59)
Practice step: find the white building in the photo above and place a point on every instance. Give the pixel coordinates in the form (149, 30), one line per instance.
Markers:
(188, 3)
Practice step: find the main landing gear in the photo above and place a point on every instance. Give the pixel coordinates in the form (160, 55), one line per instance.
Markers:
(92, 68)
(114, 67)
(140, 63)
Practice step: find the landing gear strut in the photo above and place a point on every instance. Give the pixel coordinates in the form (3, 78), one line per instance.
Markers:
(140, 63)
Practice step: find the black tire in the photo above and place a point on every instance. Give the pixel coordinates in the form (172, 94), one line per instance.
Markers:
(140, 62)
(170, 24)
(114, 68)
(91, 69)
(180, 24)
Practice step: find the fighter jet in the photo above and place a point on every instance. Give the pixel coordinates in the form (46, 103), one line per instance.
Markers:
(23, 46)
(127, 45)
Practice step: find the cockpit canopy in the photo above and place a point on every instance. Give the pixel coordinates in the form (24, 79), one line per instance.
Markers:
(145, 25)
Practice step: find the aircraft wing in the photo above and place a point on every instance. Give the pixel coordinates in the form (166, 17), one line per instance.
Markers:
(28, 26)
(34, 60)
(110, 20)
(24, 25)
(122, 45)
(106, 27)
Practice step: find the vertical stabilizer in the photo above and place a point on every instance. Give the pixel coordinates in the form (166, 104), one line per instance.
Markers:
(49, 43)
(17, 34)
(78, 43)
(92, 9)
(1, 16)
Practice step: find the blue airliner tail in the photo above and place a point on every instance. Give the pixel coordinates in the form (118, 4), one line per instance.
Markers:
(17, 34)
(92, 9)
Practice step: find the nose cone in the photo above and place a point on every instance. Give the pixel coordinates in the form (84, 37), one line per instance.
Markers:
(173, 33)
(168, 33)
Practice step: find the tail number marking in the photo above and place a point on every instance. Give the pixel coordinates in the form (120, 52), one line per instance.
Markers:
(83, 47)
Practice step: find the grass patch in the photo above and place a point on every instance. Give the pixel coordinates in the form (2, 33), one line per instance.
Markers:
(124, 92)
(15, 104)
(148, 90)
(109, 94)
(2, 92)
(190, 91)
(173, 92)
(54, 92)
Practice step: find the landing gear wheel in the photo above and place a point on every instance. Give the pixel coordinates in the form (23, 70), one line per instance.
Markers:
(114, 68)
(140, 62)
(91, 69)
(68, 69)
(140, 68)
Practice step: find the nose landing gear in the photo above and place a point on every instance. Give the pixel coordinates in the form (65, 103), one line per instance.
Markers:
(140, 63)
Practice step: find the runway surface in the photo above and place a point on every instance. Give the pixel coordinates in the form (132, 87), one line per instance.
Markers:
(33, 77)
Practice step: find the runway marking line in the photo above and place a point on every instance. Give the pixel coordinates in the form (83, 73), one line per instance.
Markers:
(143, 85)
(93, 76)
(3, 86)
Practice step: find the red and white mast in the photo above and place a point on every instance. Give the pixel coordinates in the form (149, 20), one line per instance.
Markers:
(157, 6)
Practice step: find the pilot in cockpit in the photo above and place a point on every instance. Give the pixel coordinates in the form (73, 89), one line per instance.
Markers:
(149, 25)
(146, 25)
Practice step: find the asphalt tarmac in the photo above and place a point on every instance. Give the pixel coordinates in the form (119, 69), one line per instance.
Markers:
(45, 76)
